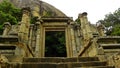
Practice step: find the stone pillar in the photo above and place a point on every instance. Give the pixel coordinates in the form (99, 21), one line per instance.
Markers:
(7, 27)
(78, 30)
(24, 25)
(30, 36)
(37, 49)
(23, 32)
(83, 30)
(31, 33)
(34, 37)
(73, 40)
(85, 27)
(68, 42)
(100, 28)
(77, 35)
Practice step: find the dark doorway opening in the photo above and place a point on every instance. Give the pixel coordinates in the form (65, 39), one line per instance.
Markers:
(55, 44)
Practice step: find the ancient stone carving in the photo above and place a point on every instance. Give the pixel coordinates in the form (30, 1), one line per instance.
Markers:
(24, 25)
(7, 27)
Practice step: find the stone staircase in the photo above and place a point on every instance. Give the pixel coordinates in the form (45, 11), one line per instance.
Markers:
(61, 62)
(7, 44)
(9, 48)
(110, 48)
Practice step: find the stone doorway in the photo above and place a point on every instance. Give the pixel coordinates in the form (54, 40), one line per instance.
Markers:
(55, 44)
(55, 25)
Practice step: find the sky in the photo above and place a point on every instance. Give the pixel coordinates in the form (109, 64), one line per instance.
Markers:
(96, 9)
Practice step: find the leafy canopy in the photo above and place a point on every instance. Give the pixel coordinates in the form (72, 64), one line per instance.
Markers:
(112, 23)
(9, 13)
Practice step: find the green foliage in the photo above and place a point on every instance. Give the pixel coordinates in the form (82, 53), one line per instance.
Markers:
(55, 44)
(116, 30)
(9, 13)
(112, 23)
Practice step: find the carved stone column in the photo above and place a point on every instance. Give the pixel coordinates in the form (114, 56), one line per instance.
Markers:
(23, 32)
(73, 40)
(85, 28)
(68, 42)
(7, 27)
(87, 25)
(30, 37)
(37, 48)
(24, 25)
(100, 28)
(77, 37)
(31, 33)
(82, 25)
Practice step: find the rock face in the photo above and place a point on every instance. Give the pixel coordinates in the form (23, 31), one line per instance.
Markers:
(44, 8)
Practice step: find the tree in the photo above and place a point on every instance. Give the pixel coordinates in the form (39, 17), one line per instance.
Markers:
(116, 30)
(9, 13)
(112, 23)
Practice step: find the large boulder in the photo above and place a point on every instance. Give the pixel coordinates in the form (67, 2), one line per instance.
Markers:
(45, 9)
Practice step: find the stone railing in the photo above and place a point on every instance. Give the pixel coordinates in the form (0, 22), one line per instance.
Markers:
(90, 49)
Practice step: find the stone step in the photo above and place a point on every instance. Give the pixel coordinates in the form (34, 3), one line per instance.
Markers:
(60, 59)
(111, 50)
(14, 58)
(97, 67)
(110, 46)
(8, 52)
(87, 64)
(62, 65)
(107, 38)
(7, 47)
(8, 39)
